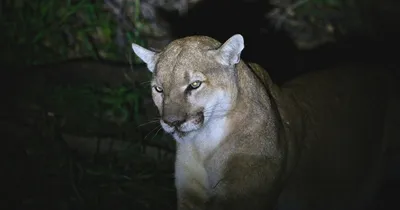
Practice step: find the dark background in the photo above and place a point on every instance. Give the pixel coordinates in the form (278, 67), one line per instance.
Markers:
(43, 169)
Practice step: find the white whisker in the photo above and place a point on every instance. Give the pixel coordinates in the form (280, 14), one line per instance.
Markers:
(156, 133)
(146, 123)
(152, 131)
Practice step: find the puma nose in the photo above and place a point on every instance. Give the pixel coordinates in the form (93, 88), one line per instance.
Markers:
(173, 120)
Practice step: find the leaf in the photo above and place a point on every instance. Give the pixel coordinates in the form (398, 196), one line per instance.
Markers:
(38, 37)
(91, 12)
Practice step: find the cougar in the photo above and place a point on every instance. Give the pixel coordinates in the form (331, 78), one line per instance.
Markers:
(316, 142)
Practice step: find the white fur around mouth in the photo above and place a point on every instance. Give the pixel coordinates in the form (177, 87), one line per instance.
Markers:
(166, 127)
(186, 127)
(190, 126)
(171, 130)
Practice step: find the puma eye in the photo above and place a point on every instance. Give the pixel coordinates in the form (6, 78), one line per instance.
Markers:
(158, 89)
(195, 84)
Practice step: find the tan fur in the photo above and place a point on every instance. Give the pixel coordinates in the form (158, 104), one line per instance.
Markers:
(314, 143)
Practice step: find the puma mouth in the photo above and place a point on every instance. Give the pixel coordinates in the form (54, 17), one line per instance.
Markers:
(193, 123)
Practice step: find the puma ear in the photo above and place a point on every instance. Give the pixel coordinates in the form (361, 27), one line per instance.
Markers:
(229, 52)
(147, 56)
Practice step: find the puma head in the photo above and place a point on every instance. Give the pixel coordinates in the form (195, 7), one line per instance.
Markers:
(194, 81)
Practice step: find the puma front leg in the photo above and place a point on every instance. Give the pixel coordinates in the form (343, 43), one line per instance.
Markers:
(190, 179)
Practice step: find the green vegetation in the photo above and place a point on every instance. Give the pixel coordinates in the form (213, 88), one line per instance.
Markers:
(49, 173)
(42, 31)
(121, 102)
